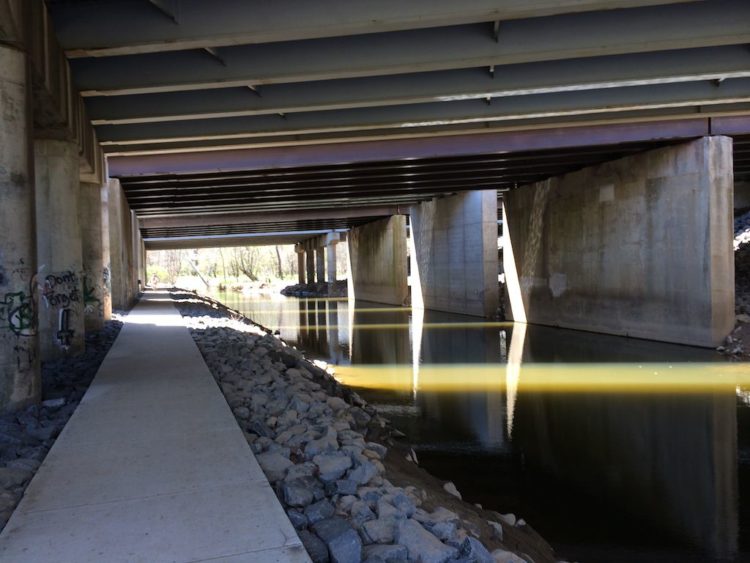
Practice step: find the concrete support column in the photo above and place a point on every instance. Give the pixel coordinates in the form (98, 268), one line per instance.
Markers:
(19, 359)
(60, 262)
(640, 246)
(117, 273)
(310, 262)
(92, 242)
(300, 263)
(331, 240)
(320, 264)
(106, 259)
(454, 254)
(377, 261)
(331, 261)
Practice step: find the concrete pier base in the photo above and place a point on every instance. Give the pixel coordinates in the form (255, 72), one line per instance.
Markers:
(60, 262)
(300, 263)
(310, 263)
(320, 264)
(377, 261)
(94, 278)
(640, 246)
(19, 360)
(454, 254)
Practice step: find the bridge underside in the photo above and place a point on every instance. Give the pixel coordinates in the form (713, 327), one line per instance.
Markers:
(193, 123)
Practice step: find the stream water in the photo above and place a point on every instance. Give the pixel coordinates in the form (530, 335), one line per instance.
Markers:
(614, 449)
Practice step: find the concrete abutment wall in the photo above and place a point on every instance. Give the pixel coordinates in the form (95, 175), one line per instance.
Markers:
(640, 246)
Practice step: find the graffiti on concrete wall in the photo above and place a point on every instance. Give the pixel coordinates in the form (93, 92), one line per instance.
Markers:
(17, 313)
(61, 292)
(91, 303)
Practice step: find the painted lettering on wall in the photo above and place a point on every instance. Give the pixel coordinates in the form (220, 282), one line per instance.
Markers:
(61, 290)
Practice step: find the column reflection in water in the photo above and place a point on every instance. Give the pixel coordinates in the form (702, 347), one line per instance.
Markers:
(666, 458)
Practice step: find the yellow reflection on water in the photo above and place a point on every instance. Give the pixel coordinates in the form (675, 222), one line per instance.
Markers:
(396, 326)
(610, 378)
(282, 308)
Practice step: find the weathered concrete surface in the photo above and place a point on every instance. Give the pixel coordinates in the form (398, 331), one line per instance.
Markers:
(60, 262)
(300, 264)
(168, 473)
(92, 240)
(19, 361)
(742, 195)
(331, 261)
(454, 254)
(640, 246)
(310, 263)
(106, 258)
(377, 261)
(121, 247)
(320, 264)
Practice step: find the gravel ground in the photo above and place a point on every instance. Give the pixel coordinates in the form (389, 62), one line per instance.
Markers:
(325, 452)
(27, 435)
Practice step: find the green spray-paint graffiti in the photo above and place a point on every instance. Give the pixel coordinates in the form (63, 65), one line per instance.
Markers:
(17, 313)
(91, 302)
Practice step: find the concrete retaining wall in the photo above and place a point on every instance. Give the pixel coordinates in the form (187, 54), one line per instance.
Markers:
(640, 246)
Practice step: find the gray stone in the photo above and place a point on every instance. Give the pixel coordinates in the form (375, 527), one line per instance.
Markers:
(319, 511)
(54, 403)
(405, 504)
(13, 477)
(386, 553)
(472, 549)
(381, 530)
(451, 489)
(421, 544)
(377, 448)
(274, 465)
(299, 470)
(314, 546)
(361, 513)
(297, 519)
(242, 412)
(336, 403)
(344, 543)
(297, 493)
(24, 463)
(346, 487)
(502, 556)
(326, 444)
(363, 473)
(332, 466)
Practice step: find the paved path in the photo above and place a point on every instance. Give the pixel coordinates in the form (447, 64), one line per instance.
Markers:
(152, 466)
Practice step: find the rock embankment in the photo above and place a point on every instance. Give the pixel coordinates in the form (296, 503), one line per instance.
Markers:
(324, 451)
(337, 289)
(737, 344)
(27, 435)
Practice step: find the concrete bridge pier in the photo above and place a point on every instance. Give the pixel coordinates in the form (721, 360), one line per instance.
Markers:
(330, 241)
(59, 255)
(92, 244)
(377, 261)
(106, 270)
(19, 359)
(309, 262)
(640, 246)
(320, 263)
(454, 254)
(298, 248)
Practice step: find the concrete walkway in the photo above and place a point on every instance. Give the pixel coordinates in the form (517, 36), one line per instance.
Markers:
(152, 466)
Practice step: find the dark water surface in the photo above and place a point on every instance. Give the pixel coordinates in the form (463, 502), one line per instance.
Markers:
(614, 449)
